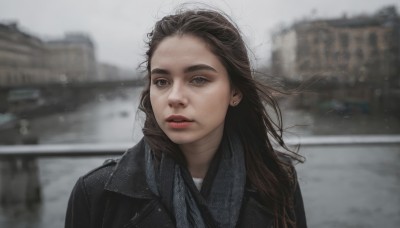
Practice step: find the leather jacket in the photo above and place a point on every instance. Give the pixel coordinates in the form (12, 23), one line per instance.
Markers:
(116, 195)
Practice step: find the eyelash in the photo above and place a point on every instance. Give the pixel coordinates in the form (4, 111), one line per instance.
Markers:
(195, 81)
(158, 80)
(203, 80)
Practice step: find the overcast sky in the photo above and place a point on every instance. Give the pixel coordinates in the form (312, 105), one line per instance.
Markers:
(118, 27)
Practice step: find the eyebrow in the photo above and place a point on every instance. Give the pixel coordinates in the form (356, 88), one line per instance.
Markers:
(187, 70)
(199, 67)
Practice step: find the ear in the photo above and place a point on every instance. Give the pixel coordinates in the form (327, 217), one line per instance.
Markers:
(236, 97)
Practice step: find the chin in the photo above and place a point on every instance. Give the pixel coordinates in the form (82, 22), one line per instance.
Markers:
(180, 139)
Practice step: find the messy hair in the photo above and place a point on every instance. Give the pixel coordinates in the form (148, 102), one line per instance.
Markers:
(271, 176)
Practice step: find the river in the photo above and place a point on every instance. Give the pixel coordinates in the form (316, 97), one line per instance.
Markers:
(352, 186)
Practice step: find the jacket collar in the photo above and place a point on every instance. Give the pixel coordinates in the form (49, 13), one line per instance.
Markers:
(129, 177)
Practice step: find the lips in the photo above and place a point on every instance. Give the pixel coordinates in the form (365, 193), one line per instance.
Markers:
(178, 122)
(177, 118)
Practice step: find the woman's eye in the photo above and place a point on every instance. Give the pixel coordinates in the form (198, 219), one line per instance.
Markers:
(160, 82)
(199, 81)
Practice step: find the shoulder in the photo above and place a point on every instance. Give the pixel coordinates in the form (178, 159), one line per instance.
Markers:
(87, 196)
(288, 162)
(298, 205)
(89, 188)
(122, 175)
(98, 177)
(90, 198)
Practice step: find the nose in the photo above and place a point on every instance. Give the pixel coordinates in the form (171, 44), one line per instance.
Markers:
(177, 96)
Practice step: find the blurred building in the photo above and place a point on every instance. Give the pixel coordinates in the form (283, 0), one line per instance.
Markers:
(26, 60)
(107, 72)
(22, 58)
(362, 49)
(72, 58)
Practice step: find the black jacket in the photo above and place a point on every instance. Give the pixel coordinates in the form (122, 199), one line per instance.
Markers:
(116, 195)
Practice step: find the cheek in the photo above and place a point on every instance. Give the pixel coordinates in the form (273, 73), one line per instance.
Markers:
(217, 104)
(155, 105)
(154, 97)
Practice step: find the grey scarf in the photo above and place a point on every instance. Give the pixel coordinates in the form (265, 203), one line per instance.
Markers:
(221, 205)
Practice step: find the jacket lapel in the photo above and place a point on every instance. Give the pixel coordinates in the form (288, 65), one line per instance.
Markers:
(130, 202)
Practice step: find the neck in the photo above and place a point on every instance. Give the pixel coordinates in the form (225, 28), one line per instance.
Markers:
(199, 155)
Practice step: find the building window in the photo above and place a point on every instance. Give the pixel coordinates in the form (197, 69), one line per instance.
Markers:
(388, 37)
(344, 40)
(316, 38)
(373, 39)
(329, 39)
(359, 39)
(374, 53)
(336, 57)
(346, 56)
(360, 54)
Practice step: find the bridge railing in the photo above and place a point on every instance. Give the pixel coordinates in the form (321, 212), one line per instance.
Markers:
(87, 150)
(19, 172)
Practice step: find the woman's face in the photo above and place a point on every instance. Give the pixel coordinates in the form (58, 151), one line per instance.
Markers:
(190, 90)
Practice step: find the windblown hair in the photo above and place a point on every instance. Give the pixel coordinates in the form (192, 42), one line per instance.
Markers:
(266, 172)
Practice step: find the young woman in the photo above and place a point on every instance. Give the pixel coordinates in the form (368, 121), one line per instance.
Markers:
(206, 158)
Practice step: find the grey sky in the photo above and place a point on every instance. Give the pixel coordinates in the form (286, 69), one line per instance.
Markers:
(118, 27)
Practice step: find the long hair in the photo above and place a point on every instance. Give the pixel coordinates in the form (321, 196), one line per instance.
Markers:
(266, 172)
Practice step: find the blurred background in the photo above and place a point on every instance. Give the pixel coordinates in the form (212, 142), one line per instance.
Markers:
(70, 74)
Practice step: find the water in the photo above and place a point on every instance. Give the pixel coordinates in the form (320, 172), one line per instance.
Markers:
(352, 186)
(105, 120)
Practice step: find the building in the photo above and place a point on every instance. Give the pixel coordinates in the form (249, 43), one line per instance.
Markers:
(26, 60)
(110, 73)
(358, 50)
(72, 58)
(107, 72)
(22, 58)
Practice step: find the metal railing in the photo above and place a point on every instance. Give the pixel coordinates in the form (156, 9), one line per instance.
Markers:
(19, 168)
(84, 150)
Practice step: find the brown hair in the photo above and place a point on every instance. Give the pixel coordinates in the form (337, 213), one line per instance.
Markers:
(266, 172)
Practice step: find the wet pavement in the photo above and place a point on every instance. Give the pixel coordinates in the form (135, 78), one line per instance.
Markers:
(351, 186)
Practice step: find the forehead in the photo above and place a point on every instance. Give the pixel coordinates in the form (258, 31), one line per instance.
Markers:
(178, 50)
